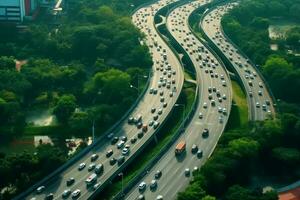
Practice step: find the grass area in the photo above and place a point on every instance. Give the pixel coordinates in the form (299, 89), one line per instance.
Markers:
(188, 76)
(239, 111)
(165, 134)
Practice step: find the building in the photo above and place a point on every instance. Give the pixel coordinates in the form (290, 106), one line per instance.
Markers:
(18, 10)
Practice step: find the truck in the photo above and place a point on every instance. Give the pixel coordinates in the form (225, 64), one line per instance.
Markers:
(180, 147)
(91, 179)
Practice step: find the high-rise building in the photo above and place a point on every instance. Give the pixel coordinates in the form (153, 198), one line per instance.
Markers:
(18, 10)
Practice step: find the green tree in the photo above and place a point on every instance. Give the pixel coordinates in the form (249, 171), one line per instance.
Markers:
(79, 121)
(64, 108)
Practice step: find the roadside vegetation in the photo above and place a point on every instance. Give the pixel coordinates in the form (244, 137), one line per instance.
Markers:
(248, 158)
(239, 110)
(80, 69)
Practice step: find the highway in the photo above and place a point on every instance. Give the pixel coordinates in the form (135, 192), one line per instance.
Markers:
(260, 103)
(165, 87)
(210, 73)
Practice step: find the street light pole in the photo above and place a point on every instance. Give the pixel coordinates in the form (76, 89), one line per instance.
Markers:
(121, 174)
(183, 113)
(93, 131)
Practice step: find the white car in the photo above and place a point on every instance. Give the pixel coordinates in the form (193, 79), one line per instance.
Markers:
(81, 166)
(76, 194)
(204, 105)
(159, 197)
(40, 189)
(120, 144)
(142, 186)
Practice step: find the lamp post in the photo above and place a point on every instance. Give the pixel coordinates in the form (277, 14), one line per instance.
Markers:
(122, 175)
(93, 120)
(183, 113)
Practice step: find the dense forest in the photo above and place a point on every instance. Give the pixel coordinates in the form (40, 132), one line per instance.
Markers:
(80, 68)
(266, 151)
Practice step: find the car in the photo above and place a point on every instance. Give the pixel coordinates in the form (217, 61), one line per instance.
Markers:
(204, 105)
(170, 94)
(161, 93)
(159, 197)
(145, 128)
(205, 133)
(213, 102)
(151, 122)
(120, 144)
(125, 151)
(49, 196)
(257, 104)
(260, 93)
(94, 157)
(250, 94)
(109, 153)
(114, 140)
(224, 110)
(91, 167)
(155, 117)
(264, 107)
(194, 148)
(120, 160)
(140, 134)
(153, 184)
(133, 140)
(81, 166)
(76, 194)
(96, 186)
(268, 102)
(160, 111)
(66, 193)
(153, 110)
(109, 136)
(142, 186)
(112, 161)
(99, 169)
(199, 153)
(195, 169)
(40, 189)
(141, 197)
(157, 174)
(162, 99)
(200, 115)
(165, 104)
(139, 125)
(220, 119)
(155, 125)
(260, 84)
(130, 120)
(187, 172)
(70, 181)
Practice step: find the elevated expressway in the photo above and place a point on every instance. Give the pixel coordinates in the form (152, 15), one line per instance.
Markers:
(209, 71)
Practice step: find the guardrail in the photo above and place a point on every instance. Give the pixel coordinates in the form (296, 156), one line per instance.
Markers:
(87, 149)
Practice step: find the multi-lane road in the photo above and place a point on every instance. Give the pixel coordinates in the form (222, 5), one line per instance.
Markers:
(212, 113)
(166, 84)
(212, 110)
(259, 100)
